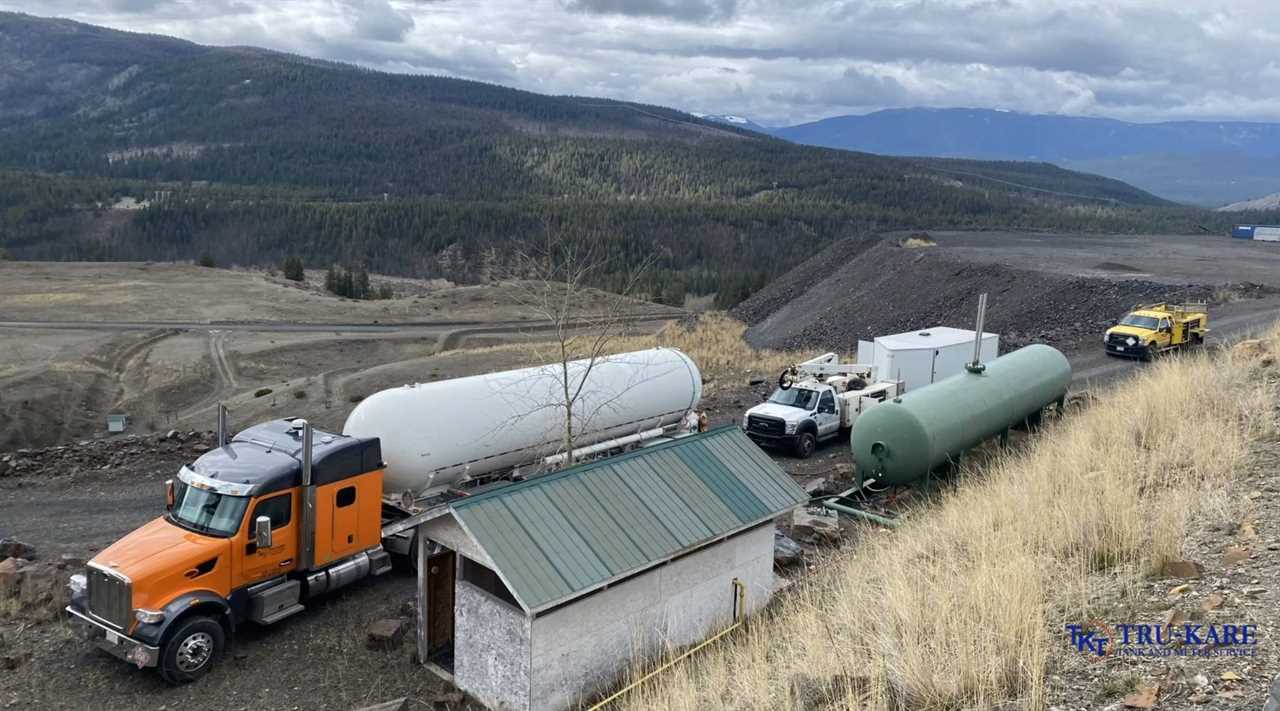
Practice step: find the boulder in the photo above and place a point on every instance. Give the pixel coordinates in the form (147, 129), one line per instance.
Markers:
(13, 548)
(1185, 569)
(9, 576)
(386, 634)
(785, 550)
(401, 704)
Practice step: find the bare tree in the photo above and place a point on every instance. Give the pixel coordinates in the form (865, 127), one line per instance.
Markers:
(554, 280)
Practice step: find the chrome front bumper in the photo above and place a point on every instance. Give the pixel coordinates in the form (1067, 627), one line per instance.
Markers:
(118, 645)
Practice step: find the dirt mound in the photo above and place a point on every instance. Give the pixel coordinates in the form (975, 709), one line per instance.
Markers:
(793, 284)
(890, 289)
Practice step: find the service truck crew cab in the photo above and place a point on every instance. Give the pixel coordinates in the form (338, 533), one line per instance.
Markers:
(253, 528)
(814, 401)
(1150, 330)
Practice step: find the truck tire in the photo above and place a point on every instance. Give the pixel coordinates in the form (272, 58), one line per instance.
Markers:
(806, 443)
(191, 650)
(1153, 351)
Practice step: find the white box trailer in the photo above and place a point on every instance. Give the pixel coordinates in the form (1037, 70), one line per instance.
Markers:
(918, 358)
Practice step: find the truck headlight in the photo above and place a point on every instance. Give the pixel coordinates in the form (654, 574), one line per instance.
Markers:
(149, 617)
(77, 584)
(791, 427)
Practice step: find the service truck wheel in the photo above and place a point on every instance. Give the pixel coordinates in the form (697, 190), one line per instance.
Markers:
(191, 650)
(805, 444)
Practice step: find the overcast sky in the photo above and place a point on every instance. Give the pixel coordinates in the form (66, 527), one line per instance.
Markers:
(778, 62)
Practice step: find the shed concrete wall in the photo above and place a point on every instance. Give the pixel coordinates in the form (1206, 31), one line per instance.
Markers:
(490, 649)
(588, 644)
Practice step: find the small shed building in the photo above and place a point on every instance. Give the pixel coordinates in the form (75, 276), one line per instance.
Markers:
(542, 593)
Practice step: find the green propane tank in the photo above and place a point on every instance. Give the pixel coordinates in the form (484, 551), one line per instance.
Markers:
(902, 441)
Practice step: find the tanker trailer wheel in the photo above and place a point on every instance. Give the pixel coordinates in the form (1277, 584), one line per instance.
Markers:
(806, 442)
(191, 650)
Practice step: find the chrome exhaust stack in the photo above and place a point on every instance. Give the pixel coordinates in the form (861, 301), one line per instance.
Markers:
(222, 425)
(307, 553)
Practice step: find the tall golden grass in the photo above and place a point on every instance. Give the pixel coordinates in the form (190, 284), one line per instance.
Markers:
(713, 340)
(962, 606)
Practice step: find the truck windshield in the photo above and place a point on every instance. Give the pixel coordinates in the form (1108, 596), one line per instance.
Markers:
(794, 397)
(1137, 321)
(206, 511)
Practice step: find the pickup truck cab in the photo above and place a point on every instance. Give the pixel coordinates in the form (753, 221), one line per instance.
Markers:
(799, 416)
(1150, 330)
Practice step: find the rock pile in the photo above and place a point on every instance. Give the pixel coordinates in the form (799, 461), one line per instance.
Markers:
(103, 455)
(890, 289)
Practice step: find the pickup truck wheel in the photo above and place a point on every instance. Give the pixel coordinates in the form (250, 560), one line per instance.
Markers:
(805, 444)
(1153, 351)
(191, 650)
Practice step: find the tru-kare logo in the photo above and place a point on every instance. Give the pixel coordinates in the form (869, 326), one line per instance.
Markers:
(1188, 639)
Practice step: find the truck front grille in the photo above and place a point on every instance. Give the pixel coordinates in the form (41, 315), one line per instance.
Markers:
(110, 598)
(766, 425)
(1119, 339)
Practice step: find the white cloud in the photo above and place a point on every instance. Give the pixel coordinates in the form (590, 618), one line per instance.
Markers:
(778, 62)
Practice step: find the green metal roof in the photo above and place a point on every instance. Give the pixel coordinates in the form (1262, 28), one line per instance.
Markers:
(560, 535)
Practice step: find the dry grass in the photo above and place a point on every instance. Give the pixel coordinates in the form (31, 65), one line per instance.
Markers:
(919, 241)
(962, 606)
(713, 340)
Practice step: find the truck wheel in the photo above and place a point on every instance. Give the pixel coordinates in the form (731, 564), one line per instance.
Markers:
(805, 444)
(192, 650)
(1152, 351)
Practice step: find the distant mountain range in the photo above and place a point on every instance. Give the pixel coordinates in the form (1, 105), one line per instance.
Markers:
(1198, 162)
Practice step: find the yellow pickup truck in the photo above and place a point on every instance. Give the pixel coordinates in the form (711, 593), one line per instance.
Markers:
(1150, 330)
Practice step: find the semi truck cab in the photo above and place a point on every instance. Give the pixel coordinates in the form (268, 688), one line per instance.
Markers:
(252, 529)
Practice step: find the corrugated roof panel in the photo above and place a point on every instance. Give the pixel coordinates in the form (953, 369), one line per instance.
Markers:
(752, 468)
(519, 559)
(654, 489)
(610, 540)
(693, 491)
(651, 537)
(575, 559)
(560, 535)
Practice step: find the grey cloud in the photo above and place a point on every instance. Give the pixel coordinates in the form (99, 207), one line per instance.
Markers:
(774, 61)
(377, 20)
(686, 10)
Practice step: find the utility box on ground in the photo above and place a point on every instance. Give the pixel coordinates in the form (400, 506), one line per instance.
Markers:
(919, 358)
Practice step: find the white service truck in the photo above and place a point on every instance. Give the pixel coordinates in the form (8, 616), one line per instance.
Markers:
(821, 397)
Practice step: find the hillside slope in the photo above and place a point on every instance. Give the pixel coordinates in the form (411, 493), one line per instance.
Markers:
(246, 156)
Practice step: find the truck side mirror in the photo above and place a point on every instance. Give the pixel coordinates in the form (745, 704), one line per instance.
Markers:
(262, 532)
(169, 497)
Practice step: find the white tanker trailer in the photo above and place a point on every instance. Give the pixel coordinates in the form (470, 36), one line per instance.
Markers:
(441, 434)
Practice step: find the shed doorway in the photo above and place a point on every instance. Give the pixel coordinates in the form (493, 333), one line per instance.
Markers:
(441, 573)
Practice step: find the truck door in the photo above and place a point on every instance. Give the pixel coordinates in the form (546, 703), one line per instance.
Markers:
(1166, 333)
(282, 556)
(827, 418)
(346, 520)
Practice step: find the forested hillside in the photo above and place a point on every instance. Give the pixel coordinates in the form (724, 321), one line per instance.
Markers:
(247, 156)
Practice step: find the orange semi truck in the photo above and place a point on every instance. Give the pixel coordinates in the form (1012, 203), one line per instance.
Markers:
(280, 513)
(253, 528)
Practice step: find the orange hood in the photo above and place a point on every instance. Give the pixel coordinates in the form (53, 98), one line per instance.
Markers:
(158, 558)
